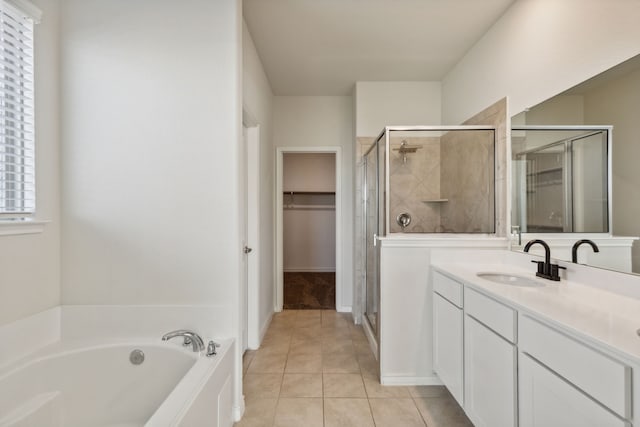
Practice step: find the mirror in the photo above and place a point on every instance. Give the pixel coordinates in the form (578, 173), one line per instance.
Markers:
(561, 179)
(575, 170)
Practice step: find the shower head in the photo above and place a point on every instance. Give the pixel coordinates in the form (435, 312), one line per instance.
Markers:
(405, 148)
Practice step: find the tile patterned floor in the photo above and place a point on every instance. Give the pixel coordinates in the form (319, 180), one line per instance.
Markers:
(315, 368)
(308, 290)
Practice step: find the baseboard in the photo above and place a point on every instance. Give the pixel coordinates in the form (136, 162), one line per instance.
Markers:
(408, 381)
(238, 410)
(263, 330)
(344, 309)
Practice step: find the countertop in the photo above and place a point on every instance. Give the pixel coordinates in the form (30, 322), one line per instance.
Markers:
(603, 318)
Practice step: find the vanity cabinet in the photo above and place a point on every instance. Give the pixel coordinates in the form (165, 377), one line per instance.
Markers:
(560, 376)
(490, 355)
(448, 334)
(508, 367)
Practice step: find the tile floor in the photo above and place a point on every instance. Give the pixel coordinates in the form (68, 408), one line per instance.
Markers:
(315, 368)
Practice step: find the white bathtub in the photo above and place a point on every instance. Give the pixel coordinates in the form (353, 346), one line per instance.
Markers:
(97, 385)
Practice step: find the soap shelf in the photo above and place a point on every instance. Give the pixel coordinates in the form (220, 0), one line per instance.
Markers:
(435, 201)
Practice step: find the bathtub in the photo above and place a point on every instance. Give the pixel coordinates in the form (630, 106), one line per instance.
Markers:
(85, 385)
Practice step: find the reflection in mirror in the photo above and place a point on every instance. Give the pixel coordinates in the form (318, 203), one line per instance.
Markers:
(561, 179)
(608, 99)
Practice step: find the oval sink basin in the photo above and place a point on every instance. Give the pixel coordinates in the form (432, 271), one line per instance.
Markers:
(510, 279)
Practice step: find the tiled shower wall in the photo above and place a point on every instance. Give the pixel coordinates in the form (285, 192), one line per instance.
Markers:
(467, 181)
(413, 183)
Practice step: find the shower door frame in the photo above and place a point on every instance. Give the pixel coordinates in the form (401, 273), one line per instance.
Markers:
(279, 261)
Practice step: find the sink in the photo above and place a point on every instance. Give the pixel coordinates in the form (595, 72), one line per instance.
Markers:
(510, 279)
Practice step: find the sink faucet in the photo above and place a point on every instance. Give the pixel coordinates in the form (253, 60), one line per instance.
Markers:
(576, 245)
(190, 338)
(546, 270)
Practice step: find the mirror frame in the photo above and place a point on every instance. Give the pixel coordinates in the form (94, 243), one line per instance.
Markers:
(587, 128)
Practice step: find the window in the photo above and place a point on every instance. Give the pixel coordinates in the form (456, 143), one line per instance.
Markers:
(17, 167)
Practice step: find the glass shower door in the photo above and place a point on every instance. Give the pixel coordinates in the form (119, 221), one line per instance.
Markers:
(371, 210)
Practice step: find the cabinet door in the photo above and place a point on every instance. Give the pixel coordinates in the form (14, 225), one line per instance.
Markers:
(490, 376)
(546, 400)
(447, 345)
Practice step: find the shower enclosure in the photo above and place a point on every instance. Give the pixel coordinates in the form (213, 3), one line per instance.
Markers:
(432, 180)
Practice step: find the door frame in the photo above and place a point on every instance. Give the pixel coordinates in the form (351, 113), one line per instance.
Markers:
(279, 283)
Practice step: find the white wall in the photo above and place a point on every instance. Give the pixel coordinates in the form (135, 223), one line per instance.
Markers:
(30, 264)
(309, 172)
(151, 136)
(321, 121)
(380, 104)
(538, 49)
(258, 103)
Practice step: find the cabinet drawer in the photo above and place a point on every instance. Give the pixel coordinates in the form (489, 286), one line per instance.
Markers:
(605, 379)
(448, 288)
(498, 317)
(548, 400)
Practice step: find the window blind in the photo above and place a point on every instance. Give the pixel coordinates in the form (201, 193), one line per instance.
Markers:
(17, 160)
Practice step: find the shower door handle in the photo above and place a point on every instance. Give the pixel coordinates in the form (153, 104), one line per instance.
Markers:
(247, 249)
(375, 239)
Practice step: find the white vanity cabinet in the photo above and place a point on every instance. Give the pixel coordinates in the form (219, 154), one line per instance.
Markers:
(448, 333)
(508, 366)
(490, 367)
(564, 382)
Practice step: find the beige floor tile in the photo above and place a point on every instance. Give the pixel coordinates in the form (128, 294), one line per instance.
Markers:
(335, 333)
(358, 334)
(301, 385)
(338, 346)
(340, 363)
(347, 413)
(334, 320)
(395, 412)
(307, 334)
(262, 385)
(259, 412)
(268, 363)
(299, 412)
(343, 385)
(375, 390)
(305, 347)
(246, 361)
(442, 412)
(369, 367)
(362, 348)
(304, 363)
(274, 347)
(309, 314)
(428, 391)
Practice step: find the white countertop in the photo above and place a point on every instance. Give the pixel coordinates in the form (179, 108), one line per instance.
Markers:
(605, 318)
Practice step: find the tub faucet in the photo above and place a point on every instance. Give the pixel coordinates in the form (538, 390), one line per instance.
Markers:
(576, 245)
(190, 338)
(546, 270)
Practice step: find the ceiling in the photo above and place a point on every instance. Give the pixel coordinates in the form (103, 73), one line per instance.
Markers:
(322, 47)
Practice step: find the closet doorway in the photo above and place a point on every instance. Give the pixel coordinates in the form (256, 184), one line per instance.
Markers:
(308, 232)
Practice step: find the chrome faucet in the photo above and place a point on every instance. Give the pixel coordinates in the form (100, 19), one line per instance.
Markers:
(576, 245)
(190, 338)
(546, 270)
